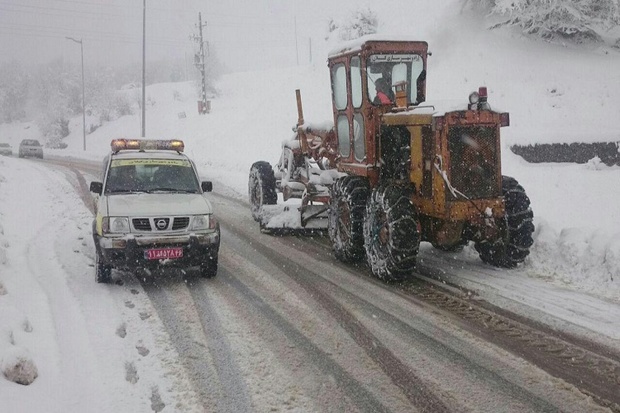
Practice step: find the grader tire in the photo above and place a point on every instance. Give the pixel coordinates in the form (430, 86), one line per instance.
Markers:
(511, 249)
(391, 233)
(346, 216)
(261, 187)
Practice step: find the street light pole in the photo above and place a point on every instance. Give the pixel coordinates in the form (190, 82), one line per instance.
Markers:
(83, 92)
(143, 68)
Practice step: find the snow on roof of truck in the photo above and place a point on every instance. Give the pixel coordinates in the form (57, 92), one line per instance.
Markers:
(148, 154)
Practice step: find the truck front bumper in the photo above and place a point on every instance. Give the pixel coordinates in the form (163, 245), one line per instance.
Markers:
(130, 253)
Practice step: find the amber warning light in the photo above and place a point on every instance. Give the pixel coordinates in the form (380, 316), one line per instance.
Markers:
(143, 144)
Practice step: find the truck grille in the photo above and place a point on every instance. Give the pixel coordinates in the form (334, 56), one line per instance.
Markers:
(151, 224)
(180, 223)
(142, 224)
(474, 161)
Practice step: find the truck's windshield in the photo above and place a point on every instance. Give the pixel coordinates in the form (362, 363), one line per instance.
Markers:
(140, 175)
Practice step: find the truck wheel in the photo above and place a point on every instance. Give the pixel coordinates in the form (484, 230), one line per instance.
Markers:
(103, 272)
(261, 187)
(208, 269)
(510, 249)
(346, 217)
(391, 233)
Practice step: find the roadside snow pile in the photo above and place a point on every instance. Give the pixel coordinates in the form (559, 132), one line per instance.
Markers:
(586, 259)
(15, 361)
(17, 366)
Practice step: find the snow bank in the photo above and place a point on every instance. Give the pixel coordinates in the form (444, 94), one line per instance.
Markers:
(585, 259)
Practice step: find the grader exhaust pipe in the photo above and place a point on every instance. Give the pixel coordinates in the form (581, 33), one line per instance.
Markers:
(300, 111)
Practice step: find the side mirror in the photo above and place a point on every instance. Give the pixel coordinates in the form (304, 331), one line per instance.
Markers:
(96, 187)
(207, 186)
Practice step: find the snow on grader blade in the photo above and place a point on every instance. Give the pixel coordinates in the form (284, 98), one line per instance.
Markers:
(287, 219)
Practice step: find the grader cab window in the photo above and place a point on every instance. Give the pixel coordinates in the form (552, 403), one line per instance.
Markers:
(390, 69)
(339, 86)
(356, 82)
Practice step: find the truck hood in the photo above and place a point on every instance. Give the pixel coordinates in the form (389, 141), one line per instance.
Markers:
(132, 205)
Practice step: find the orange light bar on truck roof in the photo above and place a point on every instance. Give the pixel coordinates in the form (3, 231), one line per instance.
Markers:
(143, 144)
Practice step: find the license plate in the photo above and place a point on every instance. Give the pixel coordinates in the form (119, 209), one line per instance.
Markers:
(163, 253)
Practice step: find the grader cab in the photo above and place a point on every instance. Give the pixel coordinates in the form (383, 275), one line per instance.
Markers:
(394, 170)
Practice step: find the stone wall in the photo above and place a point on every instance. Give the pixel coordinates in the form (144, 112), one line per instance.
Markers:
(608, 152)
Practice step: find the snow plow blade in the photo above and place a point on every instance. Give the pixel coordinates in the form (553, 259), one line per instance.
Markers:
(285, 219)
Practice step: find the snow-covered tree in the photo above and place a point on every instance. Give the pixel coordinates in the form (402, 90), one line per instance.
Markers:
(576, 20)
(362, 22)
(58, 94)
(14, 84)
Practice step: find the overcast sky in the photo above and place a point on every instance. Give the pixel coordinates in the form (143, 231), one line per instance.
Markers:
(240, 31)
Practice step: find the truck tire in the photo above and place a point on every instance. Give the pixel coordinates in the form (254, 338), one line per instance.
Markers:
(103, 272)
(208, 269)
(346, 216)
(510, 249)
(261, 187)
(391, 232)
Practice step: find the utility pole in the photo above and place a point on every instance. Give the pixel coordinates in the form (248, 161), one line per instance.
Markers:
(143, 68)
(296, 48)
(199, 62)
(83, 91)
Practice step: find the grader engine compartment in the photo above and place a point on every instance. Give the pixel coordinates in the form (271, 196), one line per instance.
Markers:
(393, 170)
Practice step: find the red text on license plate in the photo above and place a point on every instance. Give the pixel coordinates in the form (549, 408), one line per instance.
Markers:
(163, 253)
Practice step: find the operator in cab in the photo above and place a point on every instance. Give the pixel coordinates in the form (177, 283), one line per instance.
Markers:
(385, 95)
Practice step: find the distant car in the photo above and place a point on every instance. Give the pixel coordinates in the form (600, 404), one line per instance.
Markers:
(5, 149)
(30, 147)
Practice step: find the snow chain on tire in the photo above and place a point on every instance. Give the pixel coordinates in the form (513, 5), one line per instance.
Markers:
(391, 232)
(511, 249)
(261, 187)
(346, 216)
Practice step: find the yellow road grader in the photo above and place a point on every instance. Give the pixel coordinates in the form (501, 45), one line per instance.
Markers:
(394, 170)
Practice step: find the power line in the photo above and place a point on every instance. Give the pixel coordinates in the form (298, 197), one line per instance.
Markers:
(91, 39)
(263, 21)
(28, 9)
(105, 35)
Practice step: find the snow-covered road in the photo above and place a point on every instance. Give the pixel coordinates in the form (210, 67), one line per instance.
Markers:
(284, 326)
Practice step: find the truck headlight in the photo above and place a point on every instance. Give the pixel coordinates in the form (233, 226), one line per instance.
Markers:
(115, 225)
(202, 222)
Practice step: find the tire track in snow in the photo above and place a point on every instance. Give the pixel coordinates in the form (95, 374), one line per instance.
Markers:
(357, 394)
(197, 335)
